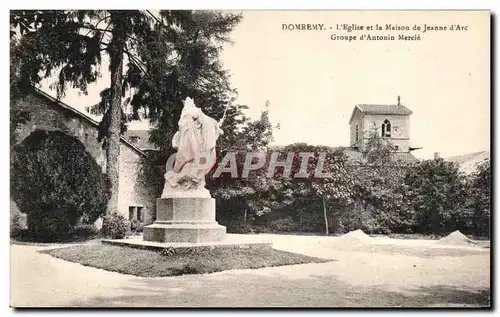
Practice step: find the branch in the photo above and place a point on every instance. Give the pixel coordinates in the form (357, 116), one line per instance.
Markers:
(94, 28)
(136, 62)
(106, 17)
(107, 28)
(154, 17)
(100, 20)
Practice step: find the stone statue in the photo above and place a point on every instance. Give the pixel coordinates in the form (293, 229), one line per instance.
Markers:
(195, 144)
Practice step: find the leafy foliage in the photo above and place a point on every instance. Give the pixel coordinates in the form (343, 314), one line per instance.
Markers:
(136, 226)
(379, 188)
(437, 194)
(167, 56)
(480, 182)
(17, 223)
(52, 178)
(115, 226)
(17, 117)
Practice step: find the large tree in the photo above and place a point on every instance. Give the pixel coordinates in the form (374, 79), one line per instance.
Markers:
(236, 194)
(437, 192)
(479, 198)
(380, 194)
(156, 59)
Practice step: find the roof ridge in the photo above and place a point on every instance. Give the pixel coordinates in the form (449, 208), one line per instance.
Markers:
(83, 115)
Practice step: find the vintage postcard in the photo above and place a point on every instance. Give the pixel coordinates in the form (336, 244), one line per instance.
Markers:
(166, 158)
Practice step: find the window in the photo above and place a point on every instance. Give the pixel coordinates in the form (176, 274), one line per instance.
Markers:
(386, 129)
(131, 213)
(140, 216)
(135, 213)
(396, 147)
(357, 133)
(133, 139)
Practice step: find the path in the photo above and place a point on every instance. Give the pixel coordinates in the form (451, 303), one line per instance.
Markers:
(355, 278)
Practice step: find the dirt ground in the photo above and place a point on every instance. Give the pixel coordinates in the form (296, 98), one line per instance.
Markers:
(364, 272)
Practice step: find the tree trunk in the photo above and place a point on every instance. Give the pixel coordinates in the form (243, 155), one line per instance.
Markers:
(116, 69)
(326, 218)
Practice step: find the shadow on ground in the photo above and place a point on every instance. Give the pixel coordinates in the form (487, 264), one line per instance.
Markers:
(242, 289)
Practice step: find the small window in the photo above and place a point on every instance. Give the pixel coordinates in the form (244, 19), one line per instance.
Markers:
(133, 139)
(131, 213)
(135, 213)
(386, 129)
(396, 147)
(357, 133)
(140, 215)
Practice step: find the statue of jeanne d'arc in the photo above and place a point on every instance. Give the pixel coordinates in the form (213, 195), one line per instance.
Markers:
(195, 143)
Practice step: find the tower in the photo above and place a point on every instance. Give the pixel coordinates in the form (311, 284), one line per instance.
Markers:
(392, 122)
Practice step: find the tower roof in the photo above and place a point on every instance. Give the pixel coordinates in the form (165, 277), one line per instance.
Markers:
(381, 109)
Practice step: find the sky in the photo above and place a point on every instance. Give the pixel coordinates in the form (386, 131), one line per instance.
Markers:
(313, 82)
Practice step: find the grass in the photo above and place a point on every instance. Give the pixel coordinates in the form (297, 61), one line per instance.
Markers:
(152, 264)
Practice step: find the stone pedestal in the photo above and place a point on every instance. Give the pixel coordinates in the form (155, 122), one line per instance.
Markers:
(185, 220)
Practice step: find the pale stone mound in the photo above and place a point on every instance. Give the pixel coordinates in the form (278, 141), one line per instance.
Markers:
(356, 236)
(457, 238)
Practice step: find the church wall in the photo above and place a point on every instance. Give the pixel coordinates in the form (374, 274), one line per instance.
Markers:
(133, 193)
(357, 120)
(401, 137)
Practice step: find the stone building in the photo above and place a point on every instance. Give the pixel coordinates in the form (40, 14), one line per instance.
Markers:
(391, 121)
(47, 113)
(140, 139)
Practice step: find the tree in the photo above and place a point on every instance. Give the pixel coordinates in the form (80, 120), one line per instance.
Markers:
(378, 151)
(437, 191)
(480, 197)
(17, 117)
(379, 188)
(480, 182)
(323, 178)
(243, 137)
(52, 178)
(167, 56)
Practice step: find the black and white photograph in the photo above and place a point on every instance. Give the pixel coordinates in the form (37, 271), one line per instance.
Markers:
(250, 158)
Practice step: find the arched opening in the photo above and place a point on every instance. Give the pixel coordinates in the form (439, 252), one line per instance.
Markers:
(386, 129)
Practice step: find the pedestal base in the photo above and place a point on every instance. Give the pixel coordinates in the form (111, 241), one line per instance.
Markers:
(185, 220)
(184, 233)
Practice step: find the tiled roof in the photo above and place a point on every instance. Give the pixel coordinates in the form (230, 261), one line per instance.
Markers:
(381, 109)
(143, 139)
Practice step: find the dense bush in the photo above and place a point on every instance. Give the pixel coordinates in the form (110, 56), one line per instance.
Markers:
(115, 226)
(136, 226)
(57, 183)
(282, 225)
(84, 232)
(238, 227)
(17, 222)
(437, 191)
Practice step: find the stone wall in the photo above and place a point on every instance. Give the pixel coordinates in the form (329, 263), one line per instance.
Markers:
(401, 137)
(356, 121)
(47, 114)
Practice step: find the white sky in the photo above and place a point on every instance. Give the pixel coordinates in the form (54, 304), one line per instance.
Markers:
(313, 83)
